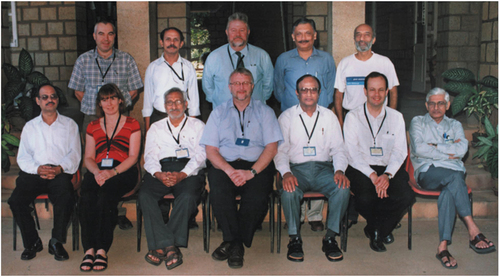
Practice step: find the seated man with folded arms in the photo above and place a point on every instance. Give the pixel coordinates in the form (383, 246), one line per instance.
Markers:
(174, 162)
(438, 145)
(375, 137)
(241, 139)
(312, 158)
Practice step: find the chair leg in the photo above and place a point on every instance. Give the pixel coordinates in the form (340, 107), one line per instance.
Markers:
(207, 221)
(139, 223)
(75, 229)
(409, 226)
(271, 220)
(204, 214)
(36, 215)
(470, 200)
(278, 237)
(14, 225)
(344, 229)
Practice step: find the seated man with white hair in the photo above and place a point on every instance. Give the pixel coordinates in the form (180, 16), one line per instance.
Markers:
(438, 145)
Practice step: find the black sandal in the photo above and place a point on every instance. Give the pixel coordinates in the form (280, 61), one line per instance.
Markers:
(103, 264)
(160, 256)
(477, 239)
(447, 255)
(177, 255)
(90, 265)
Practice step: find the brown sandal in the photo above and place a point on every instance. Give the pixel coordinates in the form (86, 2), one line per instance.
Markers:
(446, 254)
(154, 253)
(177, 255)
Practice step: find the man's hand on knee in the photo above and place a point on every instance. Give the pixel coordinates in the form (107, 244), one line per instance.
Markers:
(289, 182)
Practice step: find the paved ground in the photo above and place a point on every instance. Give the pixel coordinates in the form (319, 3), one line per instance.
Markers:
(359, 258)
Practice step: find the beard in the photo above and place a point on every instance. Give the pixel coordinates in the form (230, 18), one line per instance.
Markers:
(360, 48)
(238, 44)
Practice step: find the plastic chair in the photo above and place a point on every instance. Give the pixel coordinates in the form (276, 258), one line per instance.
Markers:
(76, 181)
(308, 196)
(422, 192)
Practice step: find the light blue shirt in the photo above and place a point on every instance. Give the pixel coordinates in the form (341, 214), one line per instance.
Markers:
(424, 130)
(218, 67)
(224, 126)
(290, 67)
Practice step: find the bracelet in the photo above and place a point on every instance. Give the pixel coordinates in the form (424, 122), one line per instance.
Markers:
(114, 168)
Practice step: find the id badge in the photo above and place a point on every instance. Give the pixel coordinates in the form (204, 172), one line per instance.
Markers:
(376, 151)
(107, 163)
(182, 153)
(449, 141)
(309, 151)
(242, 141)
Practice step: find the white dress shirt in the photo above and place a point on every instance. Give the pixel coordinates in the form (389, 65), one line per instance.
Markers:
(160, 78)
(391, 138)
(56, 144)
(160, 143)
(327, 138)
(425, 130)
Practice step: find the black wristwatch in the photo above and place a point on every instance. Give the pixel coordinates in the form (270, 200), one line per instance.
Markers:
(253, 171)
(388, 175)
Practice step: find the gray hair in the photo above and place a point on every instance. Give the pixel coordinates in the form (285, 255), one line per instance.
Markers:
(243, 71)
(172, 90)
(437, 91)
(374, 34)
(105, 22)
(237, 16)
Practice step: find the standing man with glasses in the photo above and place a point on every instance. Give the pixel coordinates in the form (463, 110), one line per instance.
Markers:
(49, 154)
(169, 71)
(238, 53)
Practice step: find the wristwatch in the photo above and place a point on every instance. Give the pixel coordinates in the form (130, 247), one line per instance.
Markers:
(253, 171)
(388, 175)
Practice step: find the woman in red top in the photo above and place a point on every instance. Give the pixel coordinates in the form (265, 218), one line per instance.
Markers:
(111, 152)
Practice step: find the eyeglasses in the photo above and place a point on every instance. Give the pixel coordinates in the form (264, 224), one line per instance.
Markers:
(439, 104)
(176, 102)
(237, 84)
(46, 97)
(309, 90)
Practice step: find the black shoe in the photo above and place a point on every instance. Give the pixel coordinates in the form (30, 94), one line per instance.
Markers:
(222, 252)
(332, 250)
(236, 253)
(350, 223)
(192, 225)
(30, 253)
(376, 243)
(317, 226)
(124, 223)
(295, 252)
(58, 251)
(388, 239)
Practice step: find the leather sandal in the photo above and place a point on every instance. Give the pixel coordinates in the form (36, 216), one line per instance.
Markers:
(89, 264)
(446, 254)
(103, 264)
(160, 256)
(477, 239)
(176, 255)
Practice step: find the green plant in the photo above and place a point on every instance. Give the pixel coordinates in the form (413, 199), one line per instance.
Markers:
(9, 142)
(488, 150)
(20, 83)
(473, 96)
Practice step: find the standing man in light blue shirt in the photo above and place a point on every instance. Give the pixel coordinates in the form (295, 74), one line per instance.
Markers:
(290, 66)
(241, 139)
(237, 53)
(438, 145)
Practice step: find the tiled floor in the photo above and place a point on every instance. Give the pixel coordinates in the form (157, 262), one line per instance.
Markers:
(358, 260)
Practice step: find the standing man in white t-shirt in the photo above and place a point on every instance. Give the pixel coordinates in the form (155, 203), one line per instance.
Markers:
(353, 69)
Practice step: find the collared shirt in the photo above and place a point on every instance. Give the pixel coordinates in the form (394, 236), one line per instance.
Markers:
(391, 138)
(326, 138)
(160, 144)
(218, 67)
(224, 126)
(160, 78)
(290, 66)
(87, 77)
(425, 130)
(56, 144)
(351, 74)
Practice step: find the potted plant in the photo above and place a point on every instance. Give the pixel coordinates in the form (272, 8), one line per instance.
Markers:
(477, 97)
(488, 149)
(9, 142)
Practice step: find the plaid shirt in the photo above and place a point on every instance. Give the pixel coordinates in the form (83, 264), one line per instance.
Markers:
(87, 77)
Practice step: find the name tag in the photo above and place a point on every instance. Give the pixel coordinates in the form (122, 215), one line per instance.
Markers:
(449, 141)
(309, 151)
(107, 163)
(242, 141)
(182, 153)
(376, 151)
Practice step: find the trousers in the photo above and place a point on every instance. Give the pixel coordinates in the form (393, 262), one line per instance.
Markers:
(186, 193)
(317, 177)
(452, 199)
(381, 214)
(239, 225)
(61, 194)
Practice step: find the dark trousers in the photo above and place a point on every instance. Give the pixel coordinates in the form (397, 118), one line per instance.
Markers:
(98, 207)
(381, 214)
(187, 194)
(240, 225)
(61, 194)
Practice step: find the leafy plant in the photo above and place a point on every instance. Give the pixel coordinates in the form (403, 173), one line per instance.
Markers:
(20, 83)
(9, 142)
(488, 150)
(473, 96)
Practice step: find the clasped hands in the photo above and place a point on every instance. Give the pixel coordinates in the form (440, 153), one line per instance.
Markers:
(381, 184)
(290, 181)
(49, 172)
(103, 175)
(170, 179)
(239, 176)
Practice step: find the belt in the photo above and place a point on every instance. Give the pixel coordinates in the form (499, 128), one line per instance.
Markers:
(174, 159)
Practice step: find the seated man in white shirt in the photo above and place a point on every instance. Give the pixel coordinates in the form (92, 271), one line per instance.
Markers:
(438, 145)
(174, 163)
(375, 137)
(312, 158)
(49, 154)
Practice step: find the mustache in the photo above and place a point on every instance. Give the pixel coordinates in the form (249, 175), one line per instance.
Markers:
(172, 46)
(303, 41)
(50, 103)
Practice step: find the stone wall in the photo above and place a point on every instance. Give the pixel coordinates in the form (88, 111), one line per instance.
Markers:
(488, 59)
(174, 14)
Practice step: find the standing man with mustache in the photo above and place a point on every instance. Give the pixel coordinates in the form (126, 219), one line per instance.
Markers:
(168, 71)
(290, 66)
(237, 53)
